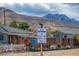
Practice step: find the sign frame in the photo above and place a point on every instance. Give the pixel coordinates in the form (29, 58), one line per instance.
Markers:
(41, 33)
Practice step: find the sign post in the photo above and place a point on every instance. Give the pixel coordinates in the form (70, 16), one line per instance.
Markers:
(41, 33)
(41, 50)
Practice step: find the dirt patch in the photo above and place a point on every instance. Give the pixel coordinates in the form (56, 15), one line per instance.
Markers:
(70, 52)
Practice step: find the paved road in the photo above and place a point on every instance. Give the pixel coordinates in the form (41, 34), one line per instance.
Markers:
(70, 52)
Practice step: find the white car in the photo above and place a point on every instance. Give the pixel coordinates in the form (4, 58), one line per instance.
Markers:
(68, 46)
(53, 47)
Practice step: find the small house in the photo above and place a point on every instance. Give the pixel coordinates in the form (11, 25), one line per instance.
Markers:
(10, 35)
(63, 37)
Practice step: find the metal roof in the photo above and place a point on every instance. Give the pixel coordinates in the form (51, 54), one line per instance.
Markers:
(2, 30)
(69, 31)
(14, 30)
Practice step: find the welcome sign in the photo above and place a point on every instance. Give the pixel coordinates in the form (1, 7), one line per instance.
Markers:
(41, 33)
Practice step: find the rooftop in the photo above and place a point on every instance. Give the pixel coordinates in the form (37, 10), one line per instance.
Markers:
(10, 30)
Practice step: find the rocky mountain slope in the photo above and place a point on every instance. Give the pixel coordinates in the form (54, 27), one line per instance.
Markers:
(34, 21)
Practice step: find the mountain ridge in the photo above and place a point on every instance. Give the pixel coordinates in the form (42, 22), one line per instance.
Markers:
(33, 21)
(61, 17)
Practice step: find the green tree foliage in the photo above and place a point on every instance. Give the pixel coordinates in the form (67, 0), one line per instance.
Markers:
(49, 31)
(13, 24)
(41, 24)
(24, 26)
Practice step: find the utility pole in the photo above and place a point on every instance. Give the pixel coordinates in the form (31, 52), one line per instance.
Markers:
(4, 16)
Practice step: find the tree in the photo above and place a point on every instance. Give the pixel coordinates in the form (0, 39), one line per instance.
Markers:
(49, 31)
(41, 24)
(23, 25)
(13, 24)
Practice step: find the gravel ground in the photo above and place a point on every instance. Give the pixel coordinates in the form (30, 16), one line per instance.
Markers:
(70, 52)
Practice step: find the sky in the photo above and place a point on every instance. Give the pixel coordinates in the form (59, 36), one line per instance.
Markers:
(41, 9)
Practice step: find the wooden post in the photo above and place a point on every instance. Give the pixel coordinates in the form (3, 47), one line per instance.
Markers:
(10, 40)
(11, 44)
(41, 49)
(4, 17)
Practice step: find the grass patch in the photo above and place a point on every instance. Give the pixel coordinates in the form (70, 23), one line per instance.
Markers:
(33, 50)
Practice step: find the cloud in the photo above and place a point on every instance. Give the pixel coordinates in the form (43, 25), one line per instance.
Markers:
(67, 9)
(45, 6)
(40, 9)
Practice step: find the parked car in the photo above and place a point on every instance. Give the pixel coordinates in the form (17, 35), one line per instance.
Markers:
(68, 46)
(53, 47)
